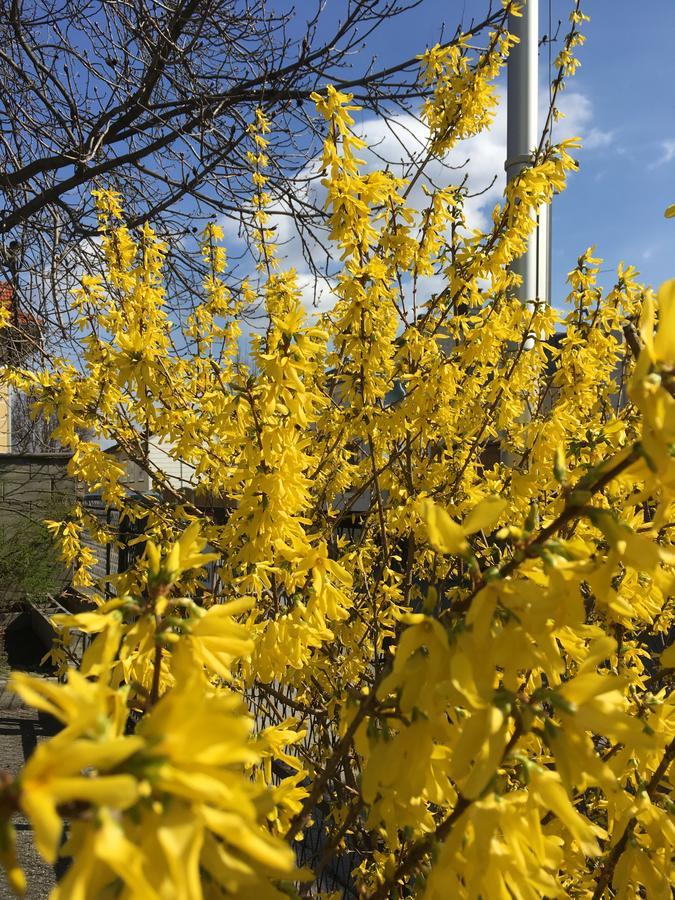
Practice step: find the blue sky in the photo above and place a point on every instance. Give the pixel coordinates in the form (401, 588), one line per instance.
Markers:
(618, 198)
(622, 100)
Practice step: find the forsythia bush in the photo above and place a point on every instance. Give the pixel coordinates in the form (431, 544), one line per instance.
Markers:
(445, 562)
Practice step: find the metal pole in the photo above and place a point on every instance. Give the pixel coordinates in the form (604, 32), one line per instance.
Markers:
(9, 418)
(522, 137)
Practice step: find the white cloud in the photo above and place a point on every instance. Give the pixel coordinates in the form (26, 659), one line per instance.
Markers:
(667, 152)
(596, 139)
(578, 121)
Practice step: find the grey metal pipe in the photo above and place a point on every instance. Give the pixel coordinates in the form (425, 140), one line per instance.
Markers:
(522, 136)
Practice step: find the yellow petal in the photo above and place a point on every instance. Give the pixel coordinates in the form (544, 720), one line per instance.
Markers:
(247, 838)
(445, 535)
(664, 343)
(181, 836)
(552, 796)
(647, 321)
(113, 847)
(483, 516)
(117, 791)
(41, 810)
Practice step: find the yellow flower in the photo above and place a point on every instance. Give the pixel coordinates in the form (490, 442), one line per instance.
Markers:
(52, 778)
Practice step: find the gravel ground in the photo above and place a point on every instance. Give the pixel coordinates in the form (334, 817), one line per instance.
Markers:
(20, 730)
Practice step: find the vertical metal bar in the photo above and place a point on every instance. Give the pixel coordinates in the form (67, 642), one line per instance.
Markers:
(108, 556)
(521, 140)
(10, 423)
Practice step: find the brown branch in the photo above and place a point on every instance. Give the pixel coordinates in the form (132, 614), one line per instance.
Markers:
(365, 708)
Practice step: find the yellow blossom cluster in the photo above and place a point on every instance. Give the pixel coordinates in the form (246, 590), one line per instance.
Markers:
(437, 653)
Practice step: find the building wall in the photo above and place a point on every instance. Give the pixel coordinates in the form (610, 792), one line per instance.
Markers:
(31, 481)
(33, 487)
(177, 472)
